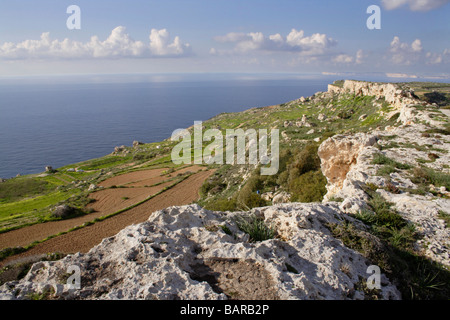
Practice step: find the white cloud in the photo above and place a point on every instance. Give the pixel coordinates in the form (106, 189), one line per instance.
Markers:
(360, 56)
(343, 58)
(160, 44)
(295, 41)
(414, 5)
(438, 58)
(404, 53)
(119, 44)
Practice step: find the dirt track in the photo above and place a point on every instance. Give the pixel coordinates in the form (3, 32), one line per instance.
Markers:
(84, 239)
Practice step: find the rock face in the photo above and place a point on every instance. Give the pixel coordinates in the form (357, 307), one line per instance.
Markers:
(281, 197)
(338, 154)
(347, 164)
(185, 253)
(395, 96)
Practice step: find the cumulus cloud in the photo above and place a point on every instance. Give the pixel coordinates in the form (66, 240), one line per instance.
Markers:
(119, 44)
(402, 53)
(414, 5)
(295, 41)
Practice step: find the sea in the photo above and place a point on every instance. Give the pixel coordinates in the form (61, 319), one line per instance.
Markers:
(59, 120)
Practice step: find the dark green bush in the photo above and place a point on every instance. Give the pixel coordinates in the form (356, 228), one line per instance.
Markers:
(309, 187)
(222, 205)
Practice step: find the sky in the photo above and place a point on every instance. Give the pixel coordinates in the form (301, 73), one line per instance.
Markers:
(41, 37)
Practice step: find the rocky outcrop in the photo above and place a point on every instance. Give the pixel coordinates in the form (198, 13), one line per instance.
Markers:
(338, 154)
(347, 162)
(191, 253)
(392, 93)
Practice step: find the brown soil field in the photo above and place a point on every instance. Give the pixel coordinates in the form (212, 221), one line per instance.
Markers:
(107, 202)
(131, 177)
(82, 240)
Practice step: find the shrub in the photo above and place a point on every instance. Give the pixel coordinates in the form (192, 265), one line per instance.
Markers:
(247, 199)
(222, 205)
(307, 160)
(212, 185)
(309, 187)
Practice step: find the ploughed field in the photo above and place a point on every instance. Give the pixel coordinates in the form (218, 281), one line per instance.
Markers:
(120, 201)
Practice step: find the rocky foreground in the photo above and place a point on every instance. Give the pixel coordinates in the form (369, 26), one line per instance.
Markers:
(192, 253)
(184, 253)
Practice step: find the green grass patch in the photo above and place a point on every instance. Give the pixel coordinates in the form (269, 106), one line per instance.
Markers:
(19, 188)
(444, 216)
(105, 162)
(255, 227)
(426, 176)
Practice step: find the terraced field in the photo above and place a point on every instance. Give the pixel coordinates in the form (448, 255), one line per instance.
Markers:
(122, 200)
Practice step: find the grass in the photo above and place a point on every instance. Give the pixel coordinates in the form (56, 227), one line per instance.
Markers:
(388, 165)
(105, 162)
(255, 227)
(444, 216)
(382, 159)
(38, 203)
(426, 176)
(390, 245)
(15, 189)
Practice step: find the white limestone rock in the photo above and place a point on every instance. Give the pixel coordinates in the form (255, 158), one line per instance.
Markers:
(175, 253)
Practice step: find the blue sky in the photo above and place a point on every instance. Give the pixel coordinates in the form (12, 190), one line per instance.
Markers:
(254, 36)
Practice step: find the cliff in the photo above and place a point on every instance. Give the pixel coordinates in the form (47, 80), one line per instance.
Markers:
(387, 199)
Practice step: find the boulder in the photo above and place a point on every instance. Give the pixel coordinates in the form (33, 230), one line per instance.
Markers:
(64, 211)
(281, 197)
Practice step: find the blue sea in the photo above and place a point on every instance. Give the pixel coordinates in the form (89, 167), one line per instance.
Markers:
(60, 120)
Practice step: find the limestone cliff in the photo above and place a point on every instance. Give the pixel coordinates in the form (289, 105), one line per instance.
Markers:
(192, 253)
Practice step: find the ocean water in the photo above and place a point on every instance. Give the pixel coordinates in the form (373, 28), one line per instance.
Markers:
(61, 120)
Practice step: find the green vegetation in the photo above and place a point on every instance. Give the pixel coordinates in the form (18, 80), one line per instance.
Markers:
(255, 227)
(389, 244)
(388, 165)
(446, 217)
(105, 162)
(425, 176)
(299, 174)
(15, 189)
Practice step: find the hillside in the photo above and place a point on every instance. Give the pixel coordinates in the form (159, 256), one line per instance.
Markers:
(364, 180)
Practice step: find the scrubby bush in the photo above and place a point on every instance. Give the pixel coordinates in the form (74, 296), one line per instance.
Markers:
(222, 205)
(307, 160)
(309, 187)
